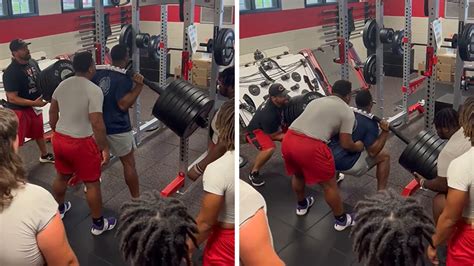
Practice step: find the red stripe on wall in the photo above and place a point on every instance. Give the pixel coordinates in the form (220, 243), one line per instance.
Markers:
(397, 8)
(41, 26)
(256, 24)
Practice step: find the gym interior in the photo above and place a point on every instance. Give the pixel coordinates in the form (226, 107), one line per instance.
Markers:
(308, 45)
(171, 44)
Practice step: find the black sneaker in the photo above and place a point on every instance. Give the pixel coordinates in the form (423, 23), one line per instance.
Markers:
(48, 158)
(256, 180)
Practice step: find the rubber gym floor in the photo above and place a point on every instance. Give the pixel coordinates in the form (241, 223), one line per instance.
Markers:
(311, 239)
(157, 164)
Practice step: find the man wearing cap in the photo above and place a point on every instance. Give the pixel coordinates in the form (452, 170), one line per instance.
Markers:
(19, 80)
(265, 128)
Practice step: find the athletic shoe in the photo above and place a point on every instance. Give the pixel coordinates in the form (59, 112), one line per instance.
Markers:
(48, 158)
(340, 177)
(67, 207)
(302, 210)
(256, 180)
(348, 222)
(109, 224)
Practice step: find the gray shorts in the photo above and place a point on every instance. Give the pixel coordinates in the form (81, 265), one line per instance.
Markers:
(362, 165)
(121, 144)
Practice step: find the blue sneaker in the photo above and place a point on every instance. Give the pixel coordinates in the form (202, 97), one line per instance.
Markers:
(302, 210)
(67, 207)
(109, 224)
(350, 221)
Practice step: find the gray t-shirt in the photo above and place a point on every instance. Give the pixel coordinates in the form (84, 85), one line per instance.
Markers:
(77, 97)
(218, 179)
(461, 177)
(457, 145)
(325, 117)
(30, 211)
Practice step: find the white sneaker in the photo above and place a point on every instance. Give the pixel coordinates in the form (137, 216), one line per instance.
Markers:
(302, 210)
(340, 177)
(109, 224)
(67, 207)
(341, 226)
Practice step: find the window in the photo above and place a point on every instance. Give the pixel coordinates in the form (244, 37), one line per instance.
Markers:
(207, 15)
(452, 9)
(81, 4)
(257, 5)
(323, 2)
(14, 8)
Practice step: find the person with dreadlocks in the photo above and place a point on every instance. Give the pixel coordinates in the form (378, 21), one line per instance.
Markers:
(31, 228)
(447, 126)
(215, 220)
(390, 230)
(456, 223)
(153, 231)
(216, 148)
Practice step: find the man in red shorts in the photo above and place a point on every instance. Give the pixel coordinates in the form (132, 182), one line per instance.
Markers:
(307, 157)
(19, 80)
(79, 141)
(266, 127)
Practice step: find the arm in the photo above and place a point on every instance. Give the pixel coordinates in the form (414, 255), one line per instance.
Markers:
(439, 184)
(207, 217)
(255, 235)
(53, 244)
(378, 145)
(348, 144)
(129, 99)
(98, 127)
(452, 212)
(53, 114)
(13, 97)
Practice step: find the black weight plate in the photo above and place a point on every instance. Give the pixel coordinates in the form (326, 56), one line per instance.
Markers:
(304, 91)
(434, 167)
(369, 34)
(223, 50)
(49, 79)
(164, 104)
(406, 158)
(296, 76)
(126, 36)
(431, 159)
(187, 103)
(154, 48)
(142, 40)
(386, 35)
(205, 106)
(192, 109)
(297, 105)
(423, 153)
(370, 70)
(408, 150)
(397, 44)
(414, 157)
(466, 51)
(115, 2)
(254, 90)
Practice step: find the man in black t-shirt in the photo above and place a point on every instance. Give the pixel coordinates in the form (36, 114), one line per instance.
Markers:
(19, 81)
(265, 128)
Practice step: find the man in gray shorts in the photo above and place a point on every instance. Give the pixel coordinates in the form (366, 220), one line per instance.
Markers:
(367, 131)
(120, 93)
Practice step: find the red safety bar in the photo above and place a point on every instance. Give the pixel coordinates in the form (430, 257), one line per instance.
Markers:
(414, 84)
(186, 63)
(416, 107)
(341, 58)
(312, 59)
(411, 188)
(172, 187)
(432, 60)
(354, 57)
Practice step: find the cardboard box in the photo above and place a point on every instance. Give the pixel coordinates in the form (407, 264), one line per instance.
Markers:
(201, 82)
(201, 72)
(445, 77)
(177, 72)
(202, 63)
(447, 59)
(446, 68)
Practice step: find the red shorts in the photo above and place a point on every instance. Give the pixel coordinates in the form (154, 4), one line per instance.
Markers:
(30, 125)
(260, 140)
(219, 250)
(78, 156)
(461, 246)
(307, 156)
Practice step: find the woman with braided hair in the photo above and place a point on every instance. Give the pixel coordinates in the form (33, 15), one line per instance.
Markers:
(153, 231)
(391, 230)
(215, 220)
(456, 223)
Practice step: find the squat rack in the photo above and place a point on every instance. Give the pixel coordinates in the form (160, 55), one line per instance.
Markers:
(462, 17)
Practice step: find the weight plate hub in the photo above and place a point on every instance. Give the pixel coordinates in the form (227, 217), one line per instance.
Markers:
(369, 34)
(254, 90)
(397, 44)
(143, 40)
(296, 76)
(386, 35)
(223, 47)
(49, 78)
(370, 70)
(466, 50)
(297, 105)
(154, 48)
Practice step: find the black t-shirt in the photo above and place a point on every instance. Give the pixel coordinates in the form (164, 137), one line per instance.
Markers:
(22, 79)
(268, 118)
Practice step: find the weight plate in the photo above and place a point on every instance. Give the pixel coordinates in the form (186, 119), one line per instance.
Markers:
(423, 153)
(185, 120)
(49, 79)
(254, 90)
(142, 40)
(414, 156)
(397, 44)
(466, 50)
(223, 50)
(115, 2)
(188, 102)
(164, 104)
(370, 70)
(369, 34)
(193, 108)
(410, 147)
(296, 76)
(201, 113)
(126, 36)
(154, 48)
(297, 105)
(304, 92)
(386, 35)
(431, 159)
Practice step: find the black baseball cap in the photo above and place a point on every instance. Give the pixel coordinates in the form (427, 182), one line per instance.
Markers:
(17, 44)
(276, 89)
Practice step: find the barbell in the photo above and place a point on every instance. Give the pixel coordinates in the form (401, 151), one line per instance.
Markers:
(420, 155)
(181, 106)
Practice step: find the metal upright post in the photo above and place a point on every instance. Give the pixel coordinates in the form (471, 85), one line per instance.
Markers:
(163, 45)
(406, 58)
(379, 57)
(100, 30)
(431, 80)
(136, 67)
(218, 18)
(186, 71)
(463, 13)
(344, 34)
